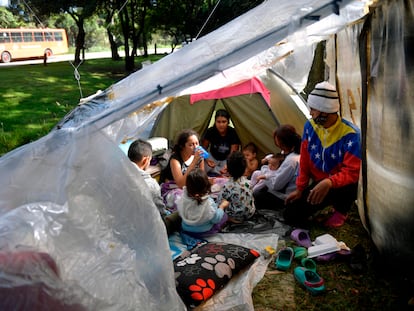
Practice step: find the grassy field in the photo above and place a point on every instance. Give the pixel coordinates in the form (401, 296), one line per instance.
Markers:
(34, 98)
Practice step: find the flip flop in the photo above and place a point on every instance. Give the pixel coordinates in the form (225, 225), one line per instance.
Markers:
(284, 258)
(301, 237)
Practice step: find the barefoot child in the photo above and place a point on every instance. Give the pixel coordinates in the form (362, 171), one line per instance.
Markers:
(252, 163)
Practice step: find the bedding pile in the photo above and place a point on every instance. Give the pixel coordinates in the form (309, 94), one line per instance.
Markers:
(238, 273)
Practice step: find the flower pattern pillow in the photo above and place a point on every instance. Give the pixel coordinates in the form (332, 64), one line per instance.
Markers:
(207, 268)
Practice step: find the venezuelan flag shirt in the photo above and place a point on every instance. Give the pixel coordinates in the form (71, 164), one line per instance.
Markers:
(333, 153)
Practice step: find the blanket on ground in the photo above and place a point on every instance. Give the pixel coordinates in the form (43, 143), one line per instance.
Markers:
(237, 292)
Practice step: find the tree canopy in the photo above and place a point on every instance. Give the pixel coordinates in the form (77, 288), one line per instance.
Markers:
(130, 22)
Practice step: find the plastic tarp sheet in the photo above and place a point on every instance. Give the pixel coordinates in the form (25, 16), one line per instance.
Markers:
(382, 107)
(390, 130)
(93, 215)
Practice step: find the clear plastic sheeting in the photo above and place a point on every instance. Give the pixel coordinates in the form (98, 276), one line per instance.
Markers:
(30, 281)
(251, 37)
(390, 129)
(81, 201)
(137, 124)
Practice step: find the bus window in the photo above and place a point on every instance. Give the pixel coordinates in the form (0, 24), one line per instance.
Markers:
(27, 37)
(4, 37)
(16, 36)
(58, 36)
(48, 36)
(38, 36)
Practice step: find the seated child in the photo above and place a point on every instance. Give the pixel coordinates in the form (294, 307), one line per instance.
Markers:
(266, 171)
(140, 153)
(250, 154)
(237, 190)
(201, 215)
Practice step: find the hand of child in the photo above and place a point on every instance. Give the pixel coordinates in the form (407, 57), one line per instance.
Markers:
(224, 204)
(223, 171)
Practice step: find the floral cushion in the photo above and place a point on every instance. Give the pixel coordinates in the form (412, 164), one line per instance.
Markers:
(207, 268)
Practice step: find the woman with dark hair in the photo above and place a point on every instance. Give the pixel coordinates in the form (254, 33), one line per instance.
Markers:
(221, 140)
(274, 193)
(185, 158)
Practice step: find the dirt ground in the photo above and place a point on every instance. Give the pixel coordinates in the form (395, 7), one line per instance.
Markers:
(367, 284)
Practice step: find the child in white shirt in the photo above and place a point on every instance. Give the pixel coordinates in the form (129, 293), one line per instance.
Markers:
(201, 215)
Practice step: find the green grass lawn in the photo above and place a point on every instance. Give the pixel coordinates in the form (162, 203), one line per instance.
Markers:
(34, 98)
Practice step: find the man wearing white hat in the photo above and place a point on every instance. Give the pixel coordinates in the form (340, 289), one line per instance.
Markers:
(330, 160)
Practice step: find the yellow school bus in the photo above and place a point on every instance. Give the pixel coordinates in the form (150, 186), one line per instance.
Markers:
(17, 43)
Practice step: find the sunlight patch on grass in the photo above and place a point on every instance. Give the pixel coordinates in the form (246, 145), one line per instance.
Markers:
(49, 79)
(15, 95)
(34, 126)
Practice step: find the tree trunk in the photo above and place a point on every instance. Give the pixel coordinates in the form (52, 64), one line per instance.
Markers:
(80, 40)
(114, 47)
(143, 30)
(125, 25)
(129, 63)
(145, 43)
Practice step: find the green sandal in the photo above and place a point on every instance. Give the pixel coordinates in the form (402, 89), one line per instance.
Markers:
(284, 258)
(309, 264)
(300, 252)
(309, 280)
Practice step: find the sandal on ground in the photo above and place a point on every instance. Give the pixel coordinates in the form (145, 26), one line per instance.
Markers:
(336, 220)
(301, 237)
(309, 264)
(309, 280)
(334, 256)
(284, 258)
(300, 252)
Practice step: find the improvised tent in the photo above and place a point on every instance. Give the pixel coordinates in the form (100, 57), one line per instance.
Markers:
(252, 106)
(73, 194)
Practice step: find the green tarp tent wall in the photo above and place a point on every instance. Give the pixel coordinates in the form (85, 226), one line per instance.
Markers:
(256, 110)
